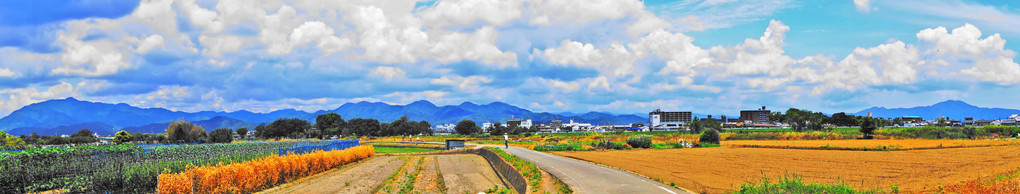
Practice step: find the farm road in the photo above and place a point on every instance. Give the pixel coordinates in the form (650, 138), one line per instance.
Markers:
(585, 177)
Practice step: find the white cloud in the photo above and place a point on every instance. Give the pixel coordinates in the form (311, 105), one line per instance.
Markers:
(20, 97)
(581, 11)
(388, 72)
(462, 12)
(985, 59)
(98, 57)
(5, 72)
(216, 46)
(600, 82)
(862, 5)
(615, 60)
(150, 43)
(435, 94)
(470, 82)
(564, 86)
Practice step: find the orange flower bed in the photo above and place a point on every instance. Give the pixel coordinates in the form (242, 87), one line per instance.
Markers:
(256, 175)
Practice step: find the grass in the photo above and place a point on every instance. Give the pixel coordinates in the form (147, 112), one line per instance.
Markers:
(793, 183)
(385, 184)
(529, 170)
(390, 150)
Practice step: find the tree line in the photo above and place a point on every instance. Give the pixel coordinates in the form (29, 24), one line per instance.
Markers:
(333, 125)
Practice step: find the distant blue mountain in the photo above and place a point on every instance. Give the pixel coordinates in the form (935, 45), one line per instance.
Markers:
(954, 109)
(67, 116)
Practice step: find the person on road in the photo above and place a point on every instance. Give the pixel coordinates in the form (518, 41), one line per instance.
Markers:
(506, 140)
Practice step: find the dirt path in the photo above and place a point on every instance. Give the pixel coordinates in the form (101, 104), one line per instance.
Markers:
(467, 173)
(429, 179)
(363, 177)
(459, 173)
(405, 176)
(723, 169)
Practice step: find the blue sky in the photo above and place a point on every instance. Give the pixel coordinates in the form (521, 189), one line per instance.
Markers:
(626, 56)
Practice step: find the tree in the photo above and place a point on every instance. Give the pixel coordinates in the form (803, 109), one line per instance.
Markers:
(709, 136)
(221, 135)
(424, 128)
(10, 141)
(695, 125)
(242, 132)
(324, 122)
(364, 127)
(260, 130)
(286, 128)
(466, 127)
(122, 137)
(83, 133)
(183, 131)
(868, 127)
(497, 129)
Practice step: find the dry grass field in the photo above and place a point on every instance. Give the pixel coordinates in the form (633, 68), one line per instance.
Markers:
(723, 169)
(899, 144)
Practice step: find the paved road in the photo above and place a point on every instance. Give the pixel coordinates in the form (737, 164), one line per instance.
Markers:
(585, 177)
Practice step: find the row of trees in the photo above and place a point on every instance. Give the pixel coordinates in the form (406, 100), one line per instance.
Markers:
(804, 120)
(332, 124)
(498, 129)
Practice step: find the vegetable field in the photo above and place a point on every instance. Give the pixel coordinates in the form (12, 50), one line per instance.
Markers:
(122, 168)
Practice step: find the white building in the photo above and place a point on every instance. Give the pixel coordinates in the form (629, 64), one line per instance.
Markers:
(486, 126)
(526, 123)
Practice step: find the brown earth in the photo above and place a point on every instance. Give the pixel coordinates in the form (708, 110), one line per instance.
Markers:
(890, 144)
(429, 179)
(722, 169)
(467, 173)
(362, 177)
(458, 173)
(407, 173)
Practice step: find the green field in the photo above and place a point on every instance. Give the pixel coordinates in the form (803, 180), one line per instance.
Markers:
(391, 150)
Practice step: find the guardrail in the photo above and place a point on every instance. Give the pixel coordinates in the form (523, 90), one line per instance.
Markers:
(340, 145)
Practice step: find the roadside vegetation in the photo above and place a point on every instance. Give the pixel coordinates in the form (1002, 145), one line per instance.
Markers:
(530, 172)
(394, 150)
(792, 183)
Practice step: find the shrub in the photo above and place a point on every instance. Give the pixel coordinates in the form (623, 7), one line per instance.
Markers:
(183, 131)
(221, 135)
(122, 137)
(644, 141)
(709, 136)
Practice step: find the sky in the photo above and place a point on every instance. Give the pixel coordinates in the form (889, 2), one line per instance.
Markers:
(617, 56)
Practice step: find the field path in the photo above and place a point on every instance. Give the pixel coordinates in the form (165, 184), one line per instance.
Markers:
(362, 177)
(585, 177)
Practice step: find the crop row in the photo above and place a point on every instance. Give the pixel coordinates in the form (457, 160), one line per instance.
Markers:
(259, 174)
(121, 168)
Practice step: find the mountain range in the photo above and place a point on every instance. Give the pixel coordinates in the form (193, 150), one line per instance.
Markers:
(953, 109)
(67, 116)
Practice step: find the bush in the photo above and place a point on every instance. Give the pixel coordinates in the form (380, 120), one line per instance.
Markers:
(221, 135)
(122, 137)
(709, 136)
(183, 131)
(644, 141)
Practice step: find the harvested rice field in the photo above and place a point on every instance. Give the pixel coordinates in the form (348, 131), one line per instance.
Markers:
(896, 144)
(723, 169)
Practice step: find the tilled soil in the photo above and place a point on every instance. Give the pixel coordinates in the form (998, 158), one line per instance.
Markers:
(363, 177)
(896, 144)
(467, 173)
(459, 173)
(723, 169)
(429, 180)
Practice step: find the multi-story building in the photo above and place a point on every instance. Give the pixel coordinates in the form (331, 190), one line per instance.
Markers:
(755, 116)
(659, 119)
(513, 122)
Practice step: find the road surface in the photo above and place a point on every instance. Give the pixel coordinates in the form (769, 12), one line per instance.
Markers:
(586, 177)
